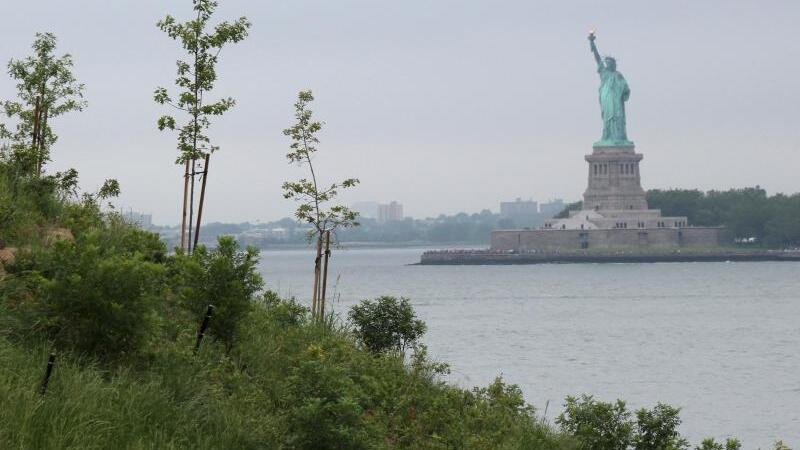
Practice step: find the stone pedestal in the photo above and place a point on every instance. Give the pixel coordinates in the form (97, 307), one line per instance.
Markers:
(614, 182)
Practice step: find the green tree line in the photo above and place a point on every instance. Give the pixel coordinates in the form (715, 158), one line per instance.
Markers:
(773, 220)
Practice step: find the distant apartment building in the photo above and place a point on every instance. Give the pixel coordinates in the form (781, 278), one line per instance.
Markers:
(529, 213)
(390, 213)
(520, 213)
(144, 221)
(366, 209)
(518, 208)
(552, 208)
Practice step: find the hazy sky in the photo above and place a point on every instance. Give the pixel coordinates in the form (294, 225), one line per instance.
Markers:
(442, 105)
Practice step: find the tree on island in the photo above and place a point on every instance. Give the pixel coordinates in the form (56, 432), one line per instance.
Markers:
(313, 198)
(46, 88)
(195, 80)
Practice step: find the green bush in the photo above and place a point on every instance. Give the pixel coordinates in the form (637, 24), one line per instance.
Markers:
(386, 324)
(87, 295)
(607, 426)
(284, 313)
(327, 405)
(225, 277)
(657, 429)
(711, 444)
(598, 425)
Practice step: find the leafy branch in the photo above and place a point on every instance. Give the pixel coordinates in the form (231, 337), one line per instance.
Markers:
(196, 77)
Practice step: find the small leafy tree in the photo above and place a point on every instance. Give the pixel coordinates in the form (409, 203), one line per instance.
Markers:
(711, 444)
(46, 88)
(598, 425)
(312, 195)
(97, 295)
(195, 80)
(657, 429)
(226, 277)
(387, 324)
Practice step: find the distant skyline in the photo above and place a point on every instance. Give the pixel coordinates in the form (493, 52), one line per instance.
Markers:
(443, 106)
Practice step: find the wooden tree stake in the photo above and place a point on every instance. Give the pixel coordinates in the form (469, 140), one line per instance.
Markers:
(37, 111)
(185, 199)
(202, 198)
(51, 361)
(325, 272)
(203, 327)
(315, 294)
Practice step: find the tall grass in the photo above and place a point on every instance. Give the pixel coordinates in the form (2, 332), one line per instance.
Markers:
(288, 383)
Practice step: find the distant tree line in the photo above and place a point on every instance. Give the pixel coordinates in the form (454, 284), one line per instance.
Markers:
(749, 212)
(774, 221)
(461, 228)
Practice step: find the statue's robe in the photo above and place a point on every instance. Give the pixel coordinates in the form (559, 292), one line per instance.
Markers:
(614, 92)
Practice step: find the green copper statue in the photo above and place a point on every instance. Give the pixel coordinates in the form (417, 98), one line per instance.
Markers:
(614, 92)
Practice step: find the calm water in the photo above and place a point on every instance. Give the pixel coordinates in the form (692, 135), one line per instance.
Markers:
(720, 340)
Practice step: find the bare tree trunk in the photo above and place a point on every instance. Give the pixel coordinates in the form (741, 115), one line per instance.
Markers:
(185, 199)
(35, 138)
(191, 203)
(314, 295)
(36, 110)
(325, 273)
(40, 141)
(202, 198)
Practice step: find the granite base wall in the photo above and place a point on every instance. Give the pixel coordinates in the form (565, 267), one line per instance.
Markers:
(558, 240)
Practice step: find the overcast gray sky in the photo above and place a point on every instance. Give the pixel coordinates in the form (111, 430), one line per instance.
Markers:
(442, 105)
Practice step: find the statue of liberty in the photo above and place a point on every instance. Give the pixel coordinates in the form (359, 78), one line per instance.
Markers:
(614, 92)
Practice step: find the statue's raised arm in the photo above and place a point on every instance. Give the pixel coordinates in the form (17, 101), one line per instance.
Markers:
(594, 50)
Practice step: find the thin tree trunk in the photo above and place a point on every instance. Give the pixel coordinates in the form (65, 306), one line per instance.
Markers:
(36, 111)
(40, 141)
(325, 273)
(35, 138)
(314, 295)
(185, 198)
(202, 198)
(191, 204)
(195, 112)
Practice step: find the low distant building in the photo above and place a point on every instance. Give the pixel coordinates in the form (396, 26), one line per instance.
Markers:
(391, 212)
(260, 237)
(366, 209)
(521, 213)
(144, 221)
(519, 208)
(552, 208)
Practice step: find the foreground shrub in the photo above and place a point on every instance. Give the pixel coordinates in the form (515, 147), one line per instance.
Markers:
(598, 425)
(386, 324)
(226, 277)
(711, 444)
(657, 429)
(27, 204)
(283, 312)
(87, 295)
(607, 426)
